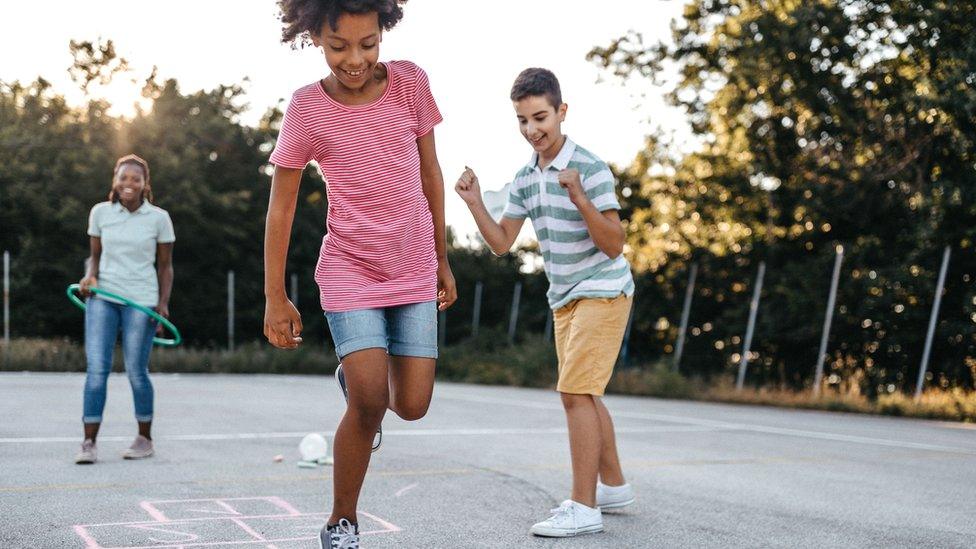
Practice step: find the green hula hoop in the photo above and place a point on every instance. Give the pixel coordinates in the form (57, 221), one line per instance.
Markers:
(176, 339)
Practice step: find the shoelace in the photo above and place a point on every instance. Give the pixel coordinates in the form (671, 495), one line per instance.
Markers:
(344, 536)
(565, 508)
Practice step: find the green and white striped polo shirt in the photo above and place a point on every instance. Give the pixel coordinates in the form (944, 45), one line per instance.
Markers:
(576, 268)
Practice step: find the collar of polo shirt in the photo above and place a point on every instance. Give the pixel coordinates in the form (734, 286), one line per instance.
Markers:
(562, 159)
(142, 209)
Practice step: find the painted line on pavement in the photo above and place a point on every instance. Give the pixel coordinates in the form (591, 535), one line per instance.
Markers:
(729, 426)
(393, 433)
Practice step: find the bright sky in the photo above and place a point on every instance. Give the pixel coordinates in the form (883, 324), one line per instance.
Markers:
(472, 52)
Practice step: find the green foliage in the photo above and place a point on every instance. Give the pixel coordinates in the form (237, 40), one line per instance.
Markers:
(498, 276)
(820, 123)
(490, 360)
(95, 62)
(63, 355)
(658, 380)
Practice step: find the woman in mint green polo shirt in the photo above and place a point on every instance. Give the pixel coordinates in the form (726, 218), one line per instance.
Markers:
(131, 256)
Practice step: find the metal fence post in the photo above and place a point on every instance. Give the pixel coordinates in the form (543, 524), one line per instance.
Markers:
(933, 319)
(294, 290)
(831, 300)
(753, 309)
(625, 348)
(679, 349)
(441, 328)
(476, 313)
(513, 315)
(230, 311)
(6, 298)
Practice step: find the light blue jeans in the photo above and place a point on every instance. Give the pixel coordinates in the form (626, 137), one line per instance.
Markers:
(103, 321)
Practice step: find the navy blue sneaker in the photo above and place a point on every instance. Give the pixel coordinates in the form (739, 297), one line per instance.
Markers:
(344, 535)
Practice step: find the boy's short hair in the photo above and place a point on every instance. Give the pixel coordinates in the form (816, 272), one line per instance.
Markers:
(301, 18)
(536, 81)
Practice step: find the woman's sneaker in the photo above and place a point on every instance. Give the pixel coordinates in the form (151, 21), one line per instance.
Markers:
(141, 448)
(613, 497)
(341, 381)
(88, 453)
(344, 535)
(570, 519)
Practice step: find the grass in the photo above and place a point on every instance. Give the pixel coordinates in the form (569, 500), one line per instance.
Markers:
(834, 402)
(62, 355)
(488, 359)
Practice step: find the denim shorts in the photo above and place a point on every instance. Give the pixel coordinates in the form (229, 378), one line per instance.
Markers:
(402, 330)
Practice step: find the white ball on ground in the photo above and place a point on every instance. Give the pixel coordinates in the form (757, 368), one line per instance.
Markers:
(313, 447)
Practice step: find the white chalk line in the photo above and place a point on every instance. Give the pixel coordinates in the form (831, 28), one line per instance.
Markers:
(727, 426)
(392, 433)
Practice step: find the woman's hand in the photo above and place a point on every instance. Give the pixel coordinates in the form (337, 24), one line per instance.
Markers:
(162, 310)
(446, 287)
(282, 323)
(86, 284)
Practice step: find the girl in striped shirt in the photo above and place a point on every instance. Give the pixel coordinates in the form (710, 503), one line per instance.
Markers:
(382, 269)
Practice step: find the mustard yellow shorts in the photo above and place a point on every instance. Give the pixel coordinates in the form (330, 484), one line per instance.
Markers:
(588, 336)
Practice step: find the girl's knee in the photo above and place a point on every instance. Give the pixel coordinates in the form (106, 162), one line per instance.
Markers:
(367, 415)
(411, 411)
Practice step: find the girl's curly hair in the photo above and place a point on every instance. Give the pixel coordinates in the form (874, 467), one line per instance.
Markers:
(301, 18)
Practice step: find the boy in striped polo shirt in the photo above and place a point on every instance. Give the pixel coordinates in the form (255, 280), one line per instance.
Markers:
(569, 194)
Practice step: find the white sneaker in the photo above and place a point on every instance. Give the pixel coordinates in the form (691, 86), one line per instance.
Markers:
(141, 448)
(613, 497)
(88, 453)
(570, 519)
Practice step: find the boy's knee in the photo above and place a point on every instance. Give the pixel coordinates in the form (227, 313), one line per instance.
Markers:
(571, 400)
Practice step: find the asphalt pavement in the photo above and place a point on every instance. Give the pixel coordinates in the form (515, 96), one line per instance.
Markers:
(485, 464)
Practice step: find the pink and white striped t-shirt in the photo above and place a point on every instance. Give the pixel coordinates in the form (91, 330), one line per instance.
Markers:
(379, 247)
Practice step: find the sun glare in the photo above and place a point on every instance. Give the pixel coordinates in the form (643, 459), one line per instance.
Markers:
(125, 97)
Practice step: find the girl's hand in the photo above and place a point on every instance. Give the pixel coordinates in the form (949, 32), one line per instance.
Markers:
(86, 284)
(468, 188)
(446, 288)
(282, 323)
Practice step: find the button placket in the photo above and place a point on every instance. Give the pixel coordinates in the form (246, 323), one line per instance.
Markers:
(545, 204)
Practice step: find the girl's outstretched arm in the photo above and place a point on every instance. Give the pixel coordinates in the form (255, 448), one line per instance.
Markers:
(433, 183)
(282, 323)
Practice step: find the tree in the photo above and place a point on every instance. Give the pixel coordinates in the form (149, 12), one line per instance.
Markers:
(821, 123)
